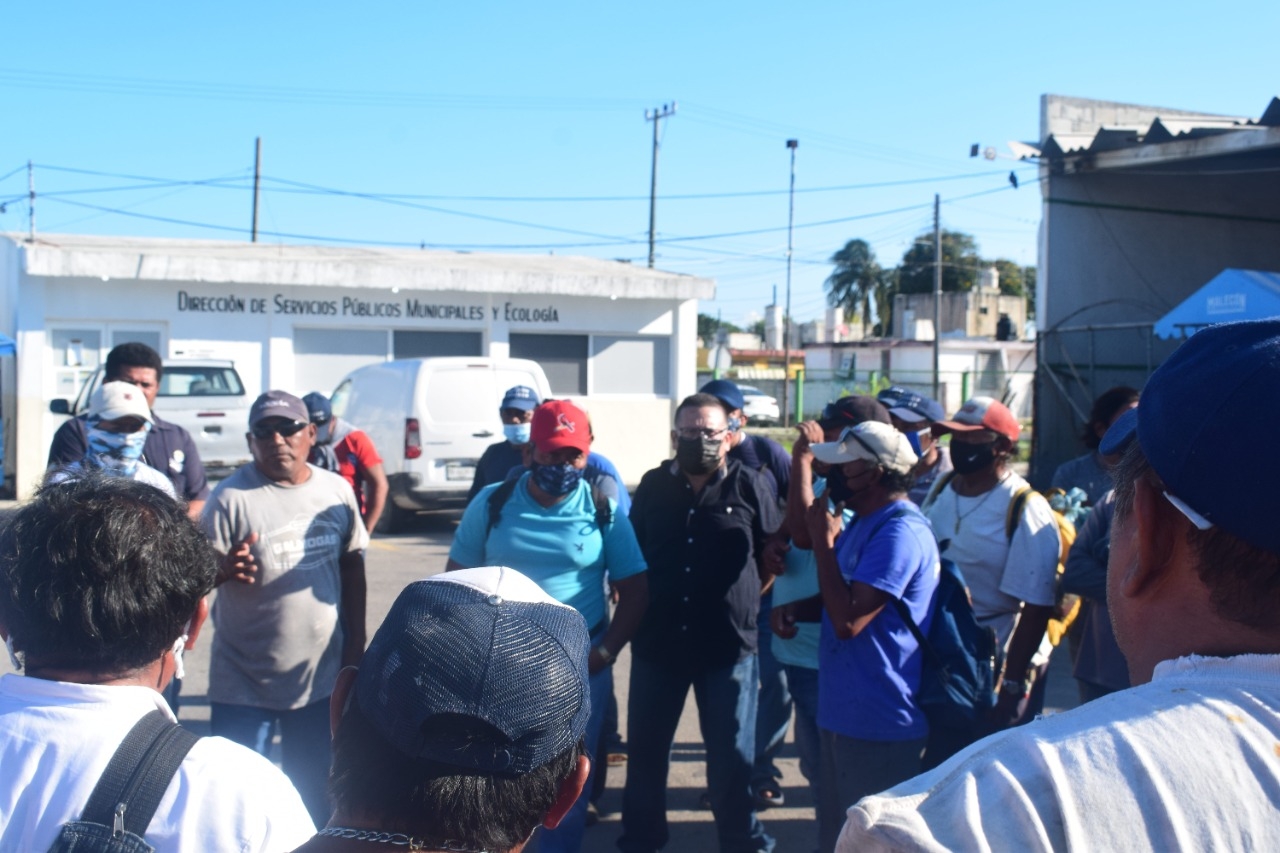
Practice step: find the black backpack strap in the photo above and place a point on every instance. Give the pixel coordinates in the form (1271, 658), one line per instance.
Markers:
(130, 789)
(604, 512)
(497, 500)
(929, 651)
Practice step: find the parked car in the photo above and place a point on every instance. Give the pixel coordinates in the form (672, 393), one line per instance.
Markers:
(205, 397)
(758, 407)
(431, 419)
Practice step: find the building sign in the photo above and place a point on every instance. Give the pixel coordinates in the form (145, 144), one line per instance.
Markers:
(350, 306)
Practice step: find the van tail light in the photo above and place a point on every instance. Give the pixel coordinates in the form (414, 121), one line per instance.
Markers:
(412, 439)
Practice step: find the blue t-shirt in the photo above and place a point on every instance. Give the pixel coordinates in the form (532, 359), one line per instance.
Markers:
(867, 684)
(798, 582)
(559, 547)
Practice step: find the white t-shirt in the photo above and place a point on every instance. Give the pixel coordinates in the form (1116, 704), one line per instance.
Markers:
(56, 739)
(1185, 762)
(1001, 574)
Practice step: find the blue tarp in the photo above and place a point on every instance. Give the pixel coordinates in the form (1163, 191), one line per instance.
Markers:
(1230, 295)
(8, 346)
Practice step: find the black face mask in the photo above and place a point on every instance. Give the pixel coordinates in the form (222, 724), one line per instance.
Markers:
(698, 456)
(971, 458)
(838, 490)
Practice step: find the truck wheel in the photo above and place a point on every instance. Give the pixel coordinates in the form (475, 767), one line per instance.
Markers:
(397, 519)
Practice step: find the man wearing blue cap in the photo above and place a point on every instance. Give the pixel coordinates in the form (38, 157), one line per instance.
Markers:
(516, 412)
(446, 740)
(914, 416)
(1186, 760)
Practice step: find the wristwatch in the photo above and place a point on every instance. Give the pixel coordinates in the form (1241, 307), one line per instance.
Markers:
(605, 655)
(1013, 685)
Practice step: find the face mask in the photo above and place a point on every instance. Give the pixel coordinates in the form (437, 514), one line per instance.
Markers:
(698, 456)
(179, 645)
(517, 433)
(735, 424)
(970, 458)
(117, 452)
(841, 492)
(557, 480)
(13, 653)
(913, 439)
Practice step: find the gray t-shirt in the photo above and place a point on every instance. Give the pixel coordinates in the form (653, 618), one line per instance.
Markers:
(277, 641)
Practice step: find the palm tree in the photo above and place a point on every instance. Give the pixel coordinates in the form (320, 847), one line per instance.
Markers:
(855, 278)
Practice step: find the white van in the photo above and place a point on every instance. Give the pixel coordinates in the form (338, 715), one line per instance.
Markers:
(431, 419)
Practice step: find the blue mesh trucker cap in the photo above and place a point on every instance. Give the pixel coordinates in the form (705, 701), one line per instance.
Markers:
(1197, 412)
(484, 643)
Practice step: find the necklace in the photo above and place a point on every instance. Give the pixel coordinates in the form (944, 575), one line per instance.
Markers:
(397, 838)
(962, 516)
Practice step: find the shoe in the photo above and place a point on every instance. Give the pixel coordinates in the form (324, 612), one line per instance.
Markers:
(768, 795)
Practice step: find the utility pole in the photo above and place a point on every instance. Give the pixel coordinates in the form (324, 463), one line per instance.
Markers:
(257, 180)
(792, 144)
(31, 202)
(937, 299)
(655, 115)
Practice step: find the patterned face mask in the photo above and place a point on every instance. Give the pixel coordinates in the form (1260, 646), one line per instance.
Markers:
(117, 452)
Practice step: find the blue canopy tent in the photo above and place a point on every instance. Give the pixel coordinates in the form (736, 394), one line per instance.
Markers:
(1230, 295)
(8, 346)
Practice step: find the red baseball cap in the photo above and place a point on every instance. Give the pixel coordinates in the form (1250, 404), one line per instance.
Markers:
(559, 423)
(982, 413)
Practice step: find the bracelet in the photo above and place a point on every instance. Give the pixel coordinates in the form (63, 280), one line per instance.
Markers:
(605, 655)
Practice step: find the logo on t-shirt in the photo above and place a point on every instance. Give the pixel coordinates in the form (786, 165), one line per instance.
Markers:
(307, 542)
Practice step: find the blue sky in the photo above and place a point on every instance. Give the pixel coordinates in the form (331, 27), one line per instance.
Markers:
(489, 119)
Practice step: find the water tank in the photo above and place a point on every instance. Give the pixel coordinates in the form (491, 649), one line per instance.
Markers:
(773, 327)
(989, 279)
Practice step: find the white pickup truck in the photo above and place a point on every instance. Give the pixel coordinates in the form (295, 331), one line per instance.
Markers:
(205, 397)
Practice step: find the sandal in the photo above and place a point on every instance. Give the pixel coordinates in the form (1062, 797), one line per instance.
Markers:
(768, 795)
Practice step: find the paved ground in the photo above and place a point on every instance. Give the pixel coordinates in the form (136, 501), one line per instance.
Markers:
(394, 561)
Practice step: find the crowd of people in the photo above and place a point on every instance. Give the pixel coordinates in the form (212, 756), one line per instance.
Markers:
(776, 585)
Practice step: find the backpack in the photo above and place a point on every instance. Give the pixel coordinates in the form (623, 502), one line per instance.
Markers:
(962, 658)
(1066, 606)
(125, 799)
(498, 499)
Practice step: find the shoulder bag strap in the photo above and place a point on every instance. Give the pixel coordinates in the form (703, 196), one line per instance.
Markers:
(130, 789)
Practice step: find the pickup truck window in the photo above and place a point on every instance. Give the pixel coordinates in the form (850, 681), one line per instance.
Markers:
(200, 381)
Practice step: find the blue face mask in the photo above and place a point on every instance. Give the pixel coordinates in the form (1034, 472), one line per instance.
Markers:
(517, 433)
(117, 452)
(557, 480)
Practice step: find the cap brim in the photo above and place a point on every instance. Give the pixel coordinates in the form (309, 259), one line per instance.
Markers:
(944, 427)
(524, 404)
(1120, 433)
(830, 453)
(908, 415)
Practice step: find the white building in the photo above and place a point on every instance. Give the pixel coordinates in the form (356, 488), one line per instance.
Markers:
(619, 339)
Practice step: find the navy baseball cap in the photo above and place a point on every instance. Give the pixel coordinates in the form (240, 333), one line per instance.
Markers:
(848, 411)
(1196, 409)
(909, 406)
(318, 407)
(520, 397)
(726, 392)
(485, 644)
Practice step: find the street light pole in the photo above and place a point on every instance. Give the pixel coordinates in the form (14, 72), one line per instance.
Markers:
(792, 144)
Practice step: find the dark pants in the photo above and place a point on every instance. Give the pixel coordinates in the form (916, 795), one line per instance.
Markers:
(726, 700)
(304, 745)
(773, 709)
(853, 769)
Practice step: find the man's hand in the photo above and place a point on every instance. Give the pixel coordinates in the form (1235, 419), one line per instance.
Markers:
(773, 560)
(823, 527)
(810, 434)
(238, 563)
(782, 620)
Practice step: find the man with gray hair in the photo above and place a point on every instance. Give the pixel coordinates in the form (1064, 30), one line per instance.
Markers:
(1186, 760)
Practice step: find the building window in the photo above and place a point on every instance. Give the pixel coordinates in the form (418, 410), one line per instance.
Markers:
(562, 357)
(408, 344)
(631, 365)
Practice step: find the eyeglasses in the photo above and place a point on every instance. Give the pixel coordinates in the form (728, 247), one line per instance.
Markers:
(284, 428)
(694, 432)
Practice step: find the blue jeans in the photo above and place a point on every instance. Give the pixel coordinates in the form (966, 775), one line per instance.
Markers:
(304, 745)
(803, 684)
(773, 713)
(726, 700)
(567, 837)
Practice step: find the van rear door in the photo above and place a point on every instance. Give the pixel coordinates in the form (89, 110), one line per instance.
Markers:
(459, 405)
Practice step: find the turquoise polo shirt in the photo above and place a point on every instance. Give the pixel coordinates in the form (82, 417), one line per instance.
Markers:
(559, 547)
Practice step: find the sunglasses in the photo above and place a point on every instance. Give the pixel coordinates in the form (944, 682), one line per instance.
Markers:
(286, 429)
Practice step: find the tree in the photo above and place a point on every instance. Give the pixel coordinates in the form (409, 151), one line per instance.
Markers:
(886, 289)
(855, 278)
(960, 263)
(708, 325)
